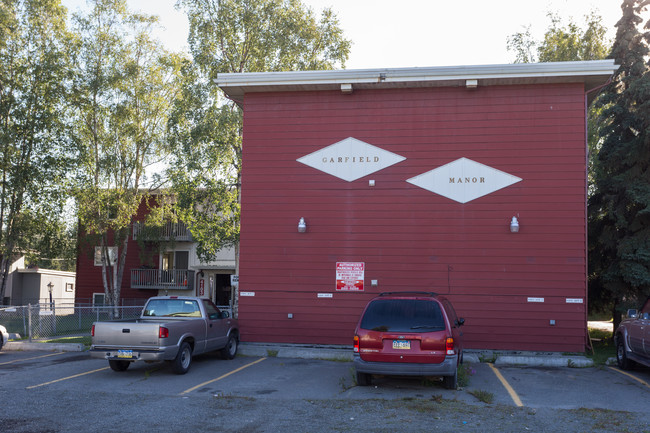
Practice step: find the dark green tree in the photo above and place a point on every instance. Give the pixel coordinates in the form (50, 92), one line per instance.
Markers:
(619, 210)
(34, 149)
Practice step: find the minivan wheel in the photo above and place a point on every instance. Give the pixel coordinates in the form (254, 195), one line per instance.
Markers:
(363, 379)
(451, 382)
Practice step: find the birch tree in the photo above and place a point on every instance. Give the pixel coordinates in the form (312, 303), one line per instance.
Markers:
(235, 36)
(34, 149)
(124, 88)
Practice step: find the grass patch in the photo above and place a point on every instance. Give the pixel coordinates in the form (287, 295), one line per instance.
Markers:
(484, 396)
(271, 353)
(85, 340)
(603, 346)
(465, 371)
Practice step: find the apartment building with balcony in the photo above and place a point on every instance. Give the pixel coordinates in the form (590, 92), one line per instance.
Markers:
(166, 263)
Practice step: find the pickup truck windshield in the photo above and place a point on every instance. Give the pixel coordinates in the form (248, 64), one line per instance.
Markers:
(172, 308)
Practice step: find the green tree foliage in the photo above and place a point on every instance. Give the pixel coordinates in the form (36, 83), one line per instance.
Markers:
(229, 36)
(619, 211)
(34, 153)
(562, 42)
(125, 86)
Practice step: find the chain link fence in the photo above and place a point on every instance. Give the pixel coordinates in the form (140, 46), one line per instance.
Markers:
(45, 320)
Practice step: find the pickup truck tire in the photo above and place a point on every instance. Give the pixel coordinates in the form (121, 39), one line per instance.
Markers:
(621, 356)
(230, 351)
(119, 365)
(181, 364)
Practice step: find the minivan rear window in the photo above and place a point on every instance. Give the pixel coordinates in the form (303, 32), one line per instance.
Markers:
(403, 315)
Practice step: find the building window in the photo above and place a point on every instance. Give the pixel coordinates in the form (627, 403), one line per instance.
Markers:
(99, 300)
(69, 287)
(112, 255)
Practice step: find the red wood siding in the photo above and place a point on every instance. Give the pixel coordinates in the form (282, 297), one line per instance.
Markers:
(89, 276)
(408, 237)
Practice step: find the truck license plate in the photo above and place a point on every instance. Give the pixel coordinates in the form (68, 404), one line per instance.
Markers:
(402, 344)
(125, 354)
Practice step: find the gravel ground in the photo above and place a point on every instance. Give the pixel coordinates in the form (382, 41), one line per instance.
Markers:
(70, 412)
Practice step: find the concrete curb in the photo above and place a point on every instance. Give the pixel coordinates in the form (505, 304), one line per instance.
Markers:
(529, 359)
(344, 353)
(326, 352)
(46, 347)
(576, 361)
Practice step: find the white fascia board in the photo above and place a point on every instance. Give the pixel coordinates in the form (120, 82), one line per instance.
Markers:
(237, 84)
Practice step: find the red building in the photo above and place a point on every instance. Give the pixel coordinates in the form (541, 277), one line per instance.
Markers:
(466, 181)
(169, 266)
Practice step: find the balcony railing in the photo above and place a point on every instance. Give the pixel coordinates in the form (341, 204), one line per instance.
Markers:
(173, 279)
(170, 231)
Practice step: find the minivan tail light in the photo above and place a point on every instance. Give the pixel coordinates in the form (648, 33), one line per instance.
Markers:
(450, 346)
(356, 344)
(92, 331)
(163, 332)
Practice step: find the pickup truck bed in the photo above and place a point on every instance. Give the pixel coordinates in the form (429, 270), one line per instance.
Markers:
(169, 329)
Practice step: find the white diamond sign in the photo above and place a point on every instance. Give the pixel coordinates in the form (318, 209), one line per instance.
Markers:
(350, 159)
(464, 180)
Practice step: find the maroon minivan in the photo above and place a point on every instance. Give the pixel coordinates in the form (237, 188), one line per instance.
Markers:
(408, 334)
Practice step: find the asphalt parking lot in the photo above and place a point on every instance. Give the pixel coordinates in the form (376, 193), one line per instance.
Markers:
(58, 392)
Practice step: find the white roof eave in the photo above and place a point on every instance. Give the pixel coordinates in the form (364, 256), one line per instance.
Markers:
(592, 73)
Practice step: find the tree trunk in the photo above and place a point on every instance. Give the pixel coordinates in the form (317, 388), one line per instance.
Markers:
(119, 271)
(617, 316)
(4, 275)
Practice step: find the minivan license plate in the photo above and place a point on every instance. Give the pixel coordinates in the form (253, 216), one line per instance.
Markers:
(125, 354)
(402, 344)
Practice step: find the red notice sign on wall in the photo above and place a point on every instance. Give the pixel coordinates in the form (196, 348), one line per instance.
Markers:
(349, 276)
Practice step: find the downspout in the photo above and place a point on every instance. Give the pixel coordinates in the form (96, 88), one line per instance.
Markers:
(588, 344)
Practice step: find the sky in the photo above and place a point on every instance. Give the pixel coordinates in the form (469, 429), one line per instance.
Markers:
(416, 33)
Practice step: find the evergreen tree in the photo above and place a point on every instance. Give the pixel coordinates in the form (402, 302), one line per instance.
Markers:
(619, 209)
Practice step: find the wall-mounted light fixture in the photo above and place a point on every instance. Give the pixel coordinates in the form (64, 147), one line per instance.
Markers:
(514, 225)
(346, 88)
(302, 226)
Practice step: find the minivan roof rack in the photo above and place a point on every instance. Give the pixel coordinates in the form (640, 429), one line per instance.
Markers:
(408, 293)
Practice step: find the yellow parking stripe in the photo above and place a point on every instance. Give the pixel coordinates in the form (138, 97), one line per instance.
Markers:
(187, 391)
(507, 386)
(66, 378)
(34, 357)
(641, 381)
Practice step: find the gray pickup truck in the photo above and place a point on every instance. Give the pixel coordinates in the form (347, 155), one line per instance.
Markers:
(632, 338)
(170, 328)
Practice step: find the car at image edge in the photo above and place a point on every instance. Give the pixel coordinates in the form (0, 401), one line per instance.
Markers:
(408, 334)
(4, 336)
(632, 338)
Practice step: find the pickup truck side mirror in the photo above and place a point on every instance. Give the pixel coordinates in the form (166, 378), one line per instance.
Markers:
(225, 314)
(460, 321)
(632, 313)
